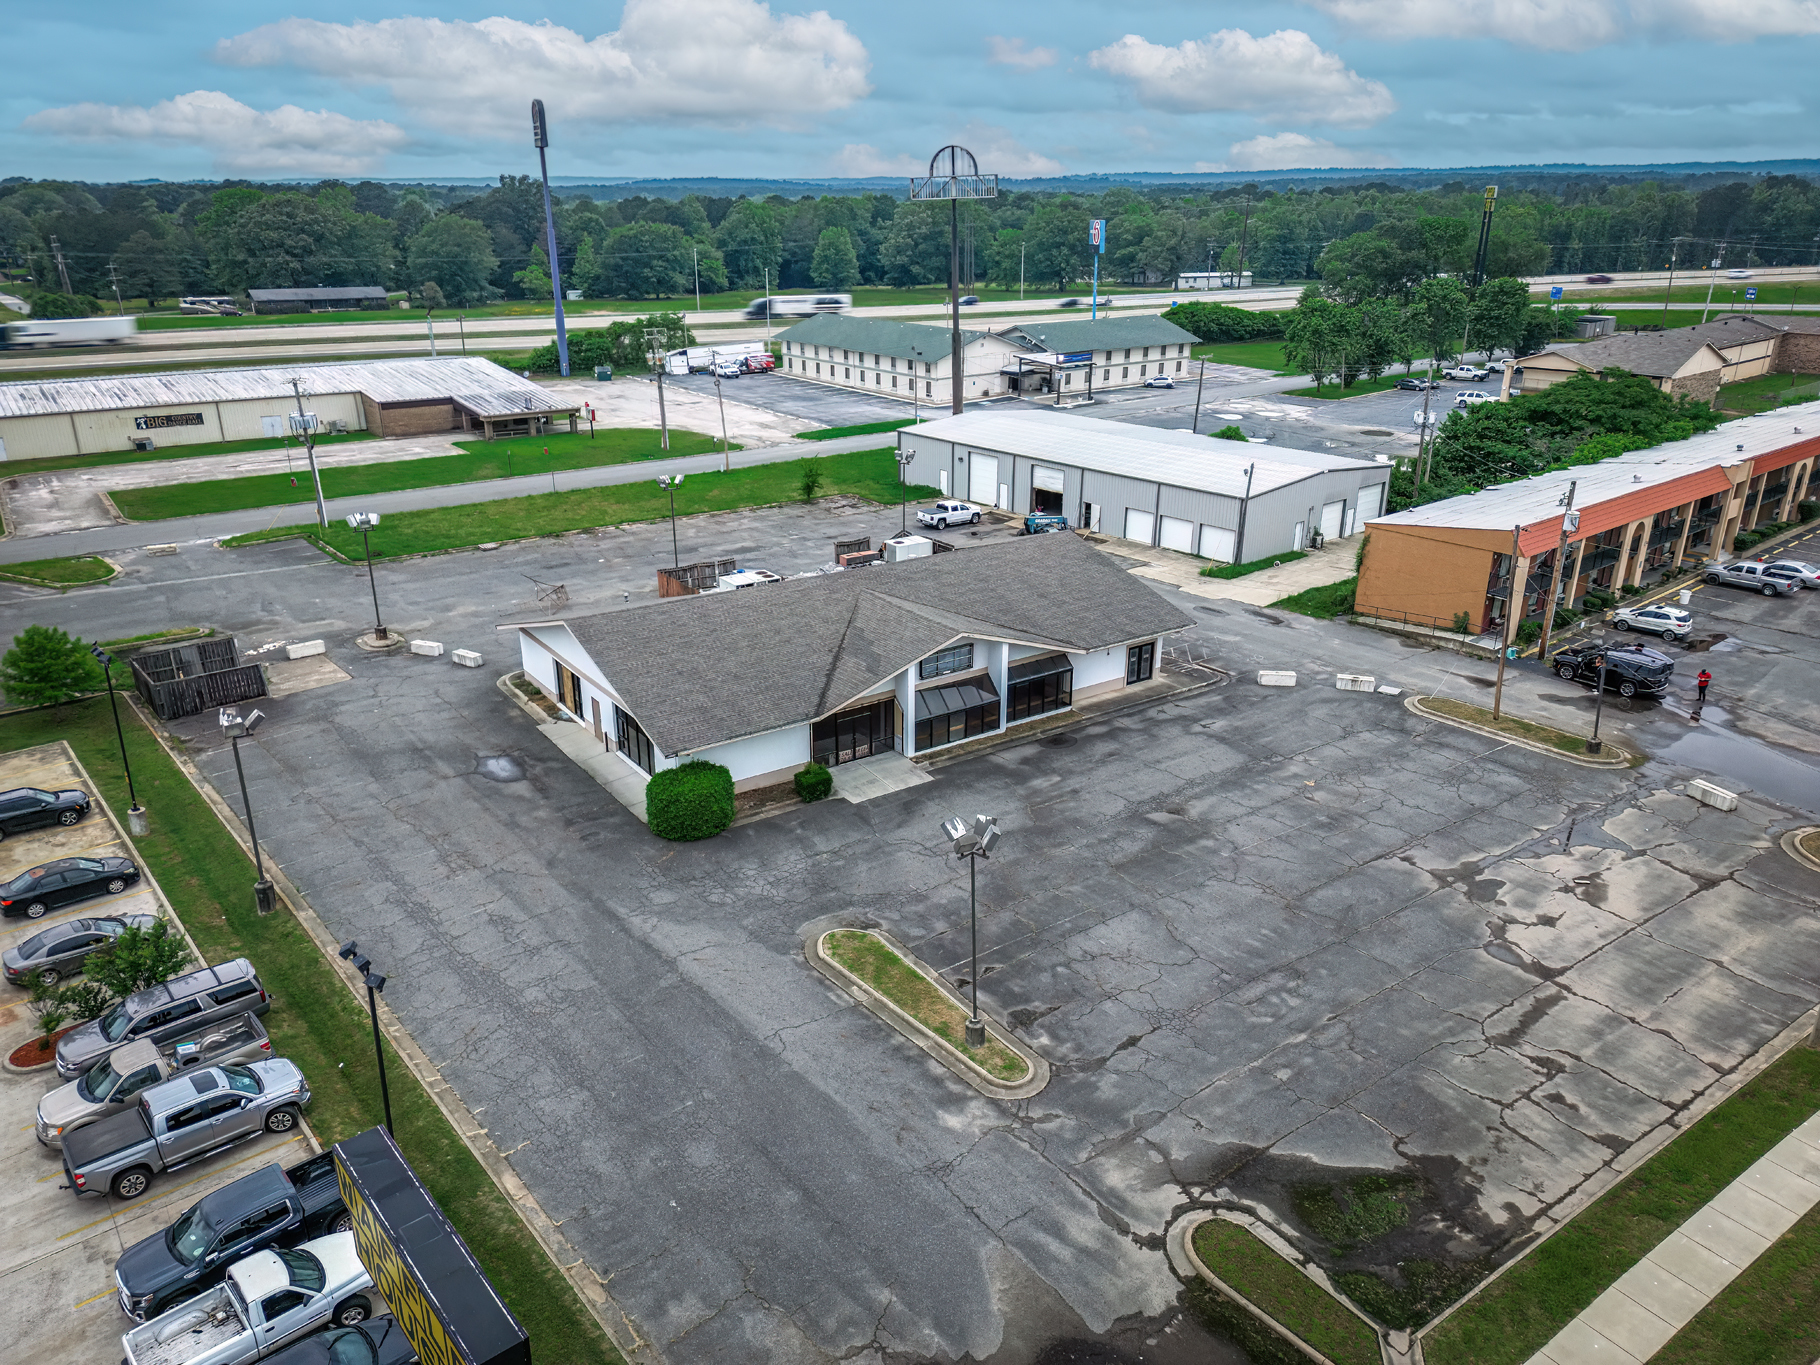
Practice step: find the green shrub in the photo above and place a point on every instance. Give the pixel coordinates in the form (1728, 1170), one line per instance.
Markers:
(1598, 599)
(1529, 632)
(1745, 539)
(693, 801)
(1632, 589)
(1221, 322)
(1462, 622)
(1565, 616)
(1229, 432)
(814, 782)
(1808, 509)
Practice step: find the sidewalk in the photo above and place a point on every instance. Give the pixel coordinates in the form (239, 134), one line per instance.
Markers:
(1329, 564)
(1637, 1316)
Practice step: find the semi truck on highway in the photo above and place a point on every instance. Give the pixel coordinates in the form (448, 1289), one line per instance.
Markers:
(34, 332)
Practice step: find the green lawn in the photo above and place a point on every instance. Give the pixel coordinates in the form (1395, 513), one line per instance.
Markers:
(1252, 565)
(479, 460)
(867, 474)
(1691, 288)
(1325, 602)
(1769, 391)
(866, 429)
(50, 464)
(1356, 389)
(1769, 1315)
(314, 1021)
(1287, 1295)
(59, 573)
(1519, 1312)
(1259, 355)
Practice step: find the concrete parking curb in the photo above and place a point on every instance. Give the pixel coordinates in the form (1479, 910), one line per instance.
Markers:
(588, 1285)
(918, 1032)
(1622, 757)
(1791, 845)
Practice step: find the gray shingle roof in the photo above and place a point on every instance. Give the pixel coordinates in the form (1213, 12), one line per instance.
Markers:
(1086, 334)
(879, 336)
(1652, 354)
(698, 671)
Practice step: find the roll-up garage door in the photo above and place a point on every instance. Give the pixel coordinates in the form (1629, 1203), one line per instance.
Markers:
(1049, 480)
(1330, 519)
(1371, 502)
(982, 479)
(1218, 543)
(1139, 526)
(1177, 535)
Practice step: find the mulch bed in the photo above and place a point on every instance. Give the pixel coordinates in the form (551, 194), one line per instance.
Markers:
(36, 1052)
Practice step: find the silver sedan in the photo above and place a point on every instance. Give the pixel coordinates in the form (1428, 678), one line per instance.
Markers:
(1809, 574)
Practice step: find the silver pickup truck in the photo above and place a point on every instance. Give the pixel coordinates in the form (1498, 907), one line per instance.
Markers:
(182, 1121)
(268, 1301)
(118, 1078)
(1751, 574)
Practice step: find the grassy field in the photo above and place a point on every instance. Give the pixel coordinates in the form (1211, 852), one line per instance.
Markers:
(1520, 1311)
(1691, 289)
(865, 429)
(59, 573)
(1323, 603)
(51, 464)
(315, 1021)
(479, 460)
(1769, 391)
(870, 959)
(1290, 1297)
(1769, 1315)
(867, 474)
(1258, 355)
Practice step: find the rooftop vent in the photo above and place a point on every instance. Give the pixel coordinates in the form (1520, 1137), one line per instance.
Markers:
(1638, 478)
(1740, 445)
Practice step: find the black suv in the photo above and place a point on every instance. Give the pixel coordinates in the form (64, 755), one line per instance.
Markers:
(26, 808)
(1630, 671)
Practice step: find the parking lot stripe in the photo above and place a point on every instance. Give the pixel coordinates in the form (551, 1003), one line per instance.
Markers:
(109, 1217)
(104, 1294)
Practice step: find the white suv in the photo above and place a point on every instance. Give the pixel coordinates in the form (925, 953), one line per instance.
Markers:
(945, 514)
(1467, 398)
(1671, 623)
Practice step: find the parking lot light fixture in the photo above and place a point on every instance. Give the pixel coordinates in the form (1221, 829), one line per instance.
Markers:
(236, 728)
(973, 842)
(905, 458)
(670, 483)
(364, 522)
(135, 813)
(375, 983)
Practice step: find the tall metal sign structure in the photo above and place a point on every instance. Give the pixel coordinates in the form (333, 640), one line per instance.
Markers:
(540, 134)
(1478, 261)
(1096, 243)
(954, 175)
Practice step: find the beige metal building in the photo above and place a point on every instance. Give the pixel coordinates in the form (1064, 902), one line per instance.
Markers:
(59, 417)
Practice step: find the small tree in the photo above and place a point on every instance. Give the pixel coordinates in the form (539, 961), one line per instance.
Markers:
(834, 266)
(138, 958)
(813, 782)
(86, 1000)
(691, 801)
(812, 478)
(47, 667)
(1228, 433)
(51, 1009)
(432, 296)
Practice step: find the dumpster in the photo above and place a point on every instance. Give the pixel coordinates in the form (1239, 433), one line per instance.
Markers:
(603, 371)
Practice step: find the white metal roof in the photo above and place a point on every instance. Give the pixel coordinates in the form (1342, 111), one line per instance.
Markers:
(1177, 458)
(479, 385)
(1509, 504)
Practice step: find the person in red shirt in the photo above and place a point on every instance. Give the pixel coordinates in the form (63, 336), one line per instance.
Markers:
(1704, 681)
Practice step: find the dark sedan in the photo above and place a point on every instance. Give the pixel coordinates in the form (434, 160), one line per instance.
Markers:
(25, 808)
(1632, 671)
(60, 951)
(68, 880)
(1411, 384)
(377, 1341)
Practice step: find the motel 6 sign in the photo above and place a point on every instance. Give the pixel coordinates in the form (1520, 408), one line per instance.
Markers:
(1096, 234)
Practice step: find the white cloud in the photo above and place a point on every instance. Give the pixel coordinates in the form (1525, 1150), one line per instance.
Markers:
(996, 150)
(1291, 152)
(244, 140)
(1012, 52)
(1575, 25)
(1282, 75)
(716, 62)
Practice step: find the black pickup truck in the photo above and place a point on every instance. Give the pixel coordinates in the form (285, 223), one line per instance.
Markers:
(271, 1207)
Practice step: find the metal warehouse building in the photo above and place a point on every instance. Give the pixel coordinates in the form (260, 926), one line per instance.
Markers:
(53, 417)
(1217, 499)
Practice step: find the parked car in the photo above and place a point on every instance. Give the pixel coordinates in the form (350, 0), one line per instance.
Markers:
(266, 1302)
(119, 1077)
(948, 513)
(41, 889)
(1467, 398)
(177, 1007)
(377, 1341)
(1598, 279)
(1751, 574)
(967, 300)
(1671, 623)
(1788, 573)
(272, 1207)
(1159, 381)
(1631, 671)
(25, 808)
(1472, 374)
(1737, 274)
(1809, 574)
(759, 364)
(1072, 303)
(182, 1121)
(1416, 384)
(60, 951)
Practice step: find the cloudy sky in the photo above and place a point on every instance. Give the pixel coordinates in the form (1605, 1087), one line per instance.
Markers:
(204, 88)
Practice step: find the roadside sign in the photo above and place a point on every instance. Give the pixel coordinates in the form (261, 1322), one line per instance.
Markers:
(1096, 234)
(1554, 293)
(1751, 293)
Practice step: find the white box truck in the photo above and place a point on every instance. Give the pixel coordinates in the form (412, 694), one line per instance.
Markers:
(33, 332)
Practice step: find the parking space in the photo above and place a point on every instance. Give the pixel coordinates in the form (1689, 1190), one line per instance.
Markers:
(817, 403)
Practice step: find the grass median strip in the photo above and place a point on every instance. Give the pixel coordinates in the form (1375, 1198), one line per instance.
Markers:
(870, 958)
(1296, 1302)
(864, 429)
(59, 573)
(1518, 1313)
(51, 464)
(479, 460)
(1251, 566)
(1508, 724)
(314, 1020)
(1769, 1315)
(867, 474)
(1323, 603)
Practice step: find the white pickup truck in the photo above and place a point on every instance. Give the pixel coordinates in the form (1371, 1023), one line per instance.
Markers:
(269, 1300)
(948, 513)
(1472, 374)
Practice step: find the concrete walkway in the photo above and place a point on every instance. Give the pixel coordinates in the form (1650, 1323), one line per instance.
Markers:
(1329, 564)
(879, 775)
(623, 782)
(1635, 1318)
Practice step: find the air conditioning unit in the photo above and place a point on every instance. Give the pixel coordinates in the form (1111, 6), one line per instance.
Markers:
(900, 548)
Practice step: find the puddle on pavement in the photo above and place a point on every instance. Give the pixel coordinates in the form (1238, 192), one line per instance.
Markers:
(499, 767)
(1060, 741)
(1744, 762)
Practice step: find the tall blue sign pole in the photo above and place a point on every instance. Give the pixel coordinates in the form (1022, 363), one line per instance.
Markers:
(1096, 239)
(540, 134)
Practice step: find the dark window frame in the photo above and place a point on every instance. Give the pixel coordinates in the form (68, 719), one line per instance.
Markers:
(633, 742)
(953, 659)
(1039, 696)
(1140, 663)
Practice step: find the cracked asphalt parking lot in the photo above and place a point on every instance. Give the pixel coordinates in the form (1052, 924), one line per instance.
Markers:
(1255, 930)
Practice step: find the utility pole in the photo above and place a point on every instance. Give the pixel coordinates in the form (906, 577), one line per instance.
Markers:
(113, 275)
(1478, 261)
(63, 270)
(1200, 378)
(767, 279)
(1020, 270)
(309, 446)
(1711, 281)
(1570, 522)
(654, 346)
(1238, 280)
(1513, 608)
(695, 253)
(429, 322)
(1674, 253)
(1238, 540)
(1422, 440)
(540, 134)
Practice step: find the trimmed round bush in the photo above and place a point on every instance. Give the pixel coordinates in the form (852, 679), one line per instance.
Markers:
(814, 782)
(693, 801)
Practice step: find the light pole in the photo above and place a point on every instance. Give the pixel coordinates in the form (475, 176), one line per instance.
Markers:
(375, 983)
(1200, 378)
(540, 134)
(973, 842)
(429, 322)
(462, 320)
(670, 483)
(1595, 745)
(236, 730)
(726, 449)
(364, 522)
(954, 175)
(905, 458)
(135, 813)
